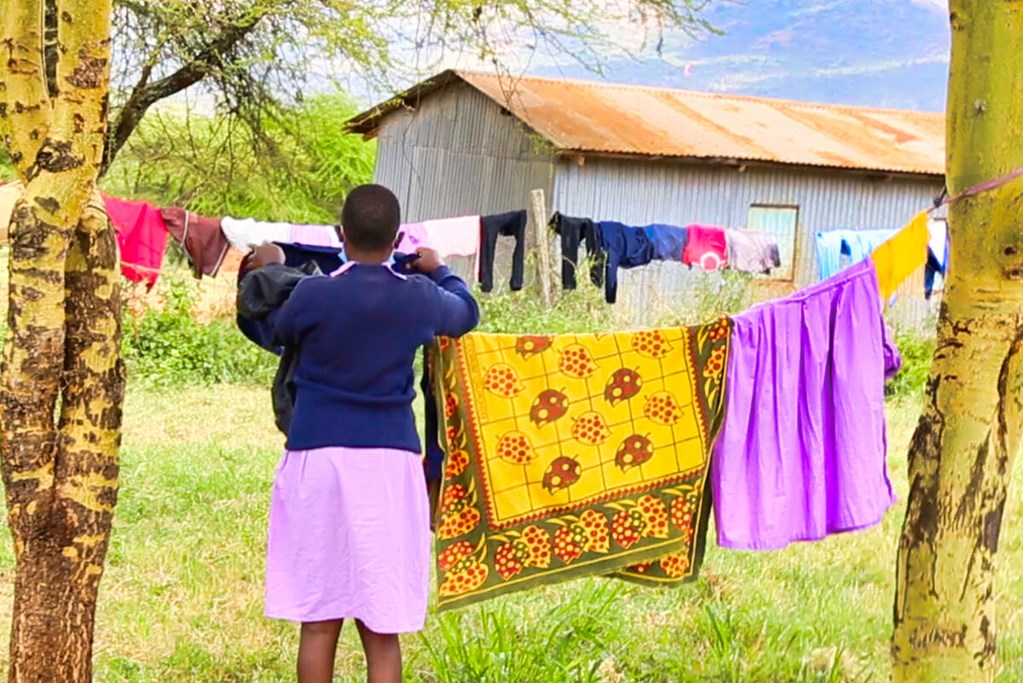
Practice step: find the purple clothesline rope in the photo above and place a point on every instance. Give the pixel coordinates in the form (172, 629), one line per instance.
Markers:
(943, 199)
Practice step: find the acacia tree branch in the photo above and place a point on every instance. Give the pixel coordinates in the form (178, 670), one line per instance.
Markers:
(144, 95)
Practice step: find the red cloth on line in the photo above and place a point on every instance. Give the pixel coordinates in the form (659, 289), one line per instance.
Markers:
(141, 238)
(706, 247)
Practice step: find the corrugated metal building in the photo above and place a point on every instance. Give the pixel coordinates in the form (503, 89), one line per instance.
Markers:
(466, 143)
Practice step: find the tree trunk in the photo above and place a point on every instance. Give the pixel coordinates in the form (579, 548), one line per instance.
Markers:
(961, 455)
(63, 341)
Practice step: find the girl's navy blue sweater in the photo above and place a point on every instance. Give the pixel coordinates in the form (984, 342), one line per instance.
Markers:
(357, 334)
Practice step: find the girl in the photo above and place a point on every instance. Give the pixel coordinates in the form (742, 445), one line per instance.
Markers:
(349, 520)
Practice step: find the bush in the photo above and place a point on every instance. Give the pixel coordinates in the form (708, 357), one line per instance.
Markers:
(917, 352)
(168, 347)
(577, 311)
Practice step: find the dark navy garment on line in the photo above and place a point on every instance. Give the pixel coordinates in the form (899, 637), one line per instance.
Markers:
(668, 241)
(573, 232)
(625, 247)
(511, 224)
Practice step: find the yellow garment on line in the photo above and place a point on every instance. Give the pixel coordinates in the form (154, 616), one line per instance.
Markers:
(901, 256)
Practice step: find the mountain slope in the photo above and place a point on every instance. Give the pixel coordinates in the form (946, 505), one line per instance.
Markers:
(886, 53)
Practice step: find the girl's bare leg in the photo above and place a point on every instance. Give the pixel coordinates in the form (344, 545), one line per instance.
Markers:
(317, 647)
(383, 655)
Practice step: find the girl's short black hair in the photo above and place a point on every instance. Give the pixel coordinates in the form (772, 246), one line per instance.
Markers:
(371, 217)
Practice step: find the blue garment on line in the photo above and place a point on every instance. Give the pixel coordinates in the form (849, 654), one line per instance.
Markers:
(863, 242)
(668, 241)
(625, 247)
(856, 245)
(829, 253)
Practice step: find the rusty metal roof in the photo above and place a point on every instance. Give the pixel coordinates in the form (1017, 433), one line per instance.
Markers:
(594, 118)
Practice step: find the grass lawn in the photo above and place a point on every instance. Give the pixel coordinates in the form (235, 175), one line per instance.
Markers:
(181, 600)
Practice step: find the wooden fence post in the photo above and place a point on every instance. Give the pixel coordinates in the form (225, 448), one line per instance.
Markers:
(543, 246)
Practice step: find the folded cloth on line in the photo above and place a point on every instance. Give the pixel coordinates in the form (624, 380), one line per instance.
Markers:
(668, 242)
(315, 235)
(413, 236)
(706, 248)
(454, 236)
(574, 456)
(200, 237)
(244, 233)
(750, 251)
(802, 451)
(141, 238)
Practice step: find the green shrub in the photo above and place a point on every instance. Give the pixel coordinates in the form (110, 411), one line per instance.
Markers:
(170, 348)
(917, 351)
(576, 311)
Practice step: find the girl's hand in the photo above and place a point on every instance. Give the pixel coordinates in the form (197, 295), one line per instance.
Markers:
(429, 260)
(265, 254)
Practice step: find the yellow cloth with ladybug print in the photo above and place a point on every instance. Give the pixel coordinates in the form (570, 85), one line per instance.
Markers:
(575, 455)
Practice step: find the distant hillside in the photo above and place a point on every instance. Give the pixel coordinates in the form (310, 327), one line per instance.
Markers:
(886, 53)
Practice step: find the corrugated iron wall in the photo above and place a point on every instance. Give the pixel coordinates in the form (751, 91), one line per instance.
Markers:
(456, 154)
(459, 153)
(642, 192)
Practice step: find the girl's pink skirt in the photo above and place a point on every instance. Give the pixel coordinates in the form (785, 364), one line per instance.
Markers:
(350, 539)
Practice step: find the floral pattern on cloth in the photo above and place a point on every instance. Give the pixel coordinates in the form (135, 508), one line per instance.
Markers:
(575, 455)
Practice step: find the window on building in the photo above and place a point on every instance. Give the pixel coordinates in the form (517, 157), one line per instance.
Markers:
(783, 223)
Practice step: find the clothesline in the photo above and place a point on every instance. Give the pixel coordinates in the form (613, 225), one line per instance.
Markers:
(142, 231)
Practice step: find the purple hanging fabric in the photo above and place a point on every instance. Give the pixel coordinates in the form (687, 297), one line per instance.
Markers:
(802, 451)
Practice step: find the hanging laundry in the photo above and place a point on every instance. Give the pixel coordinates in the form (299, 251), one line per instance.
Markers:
(9, 195)
(861, 243)
(454, 236)
(573, 232)
(829, 253)
(625, 247)
(575, 456)
(315, 235)
(902, 255)
(201, 238)
(141, 238)
(937, 256)
(802, 452)
(706, 248)
(512, 224)
(750, 251)
(412, 236)
(668, 241)
(244, 233)
(839, 248)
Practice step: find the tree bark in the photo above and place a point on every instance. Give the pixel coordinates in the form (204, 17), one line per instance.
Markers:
(63, 344)
(961, 455)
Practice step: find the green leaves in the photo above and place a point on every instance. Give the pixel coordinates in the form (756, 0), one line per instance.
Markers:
(298, 168)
